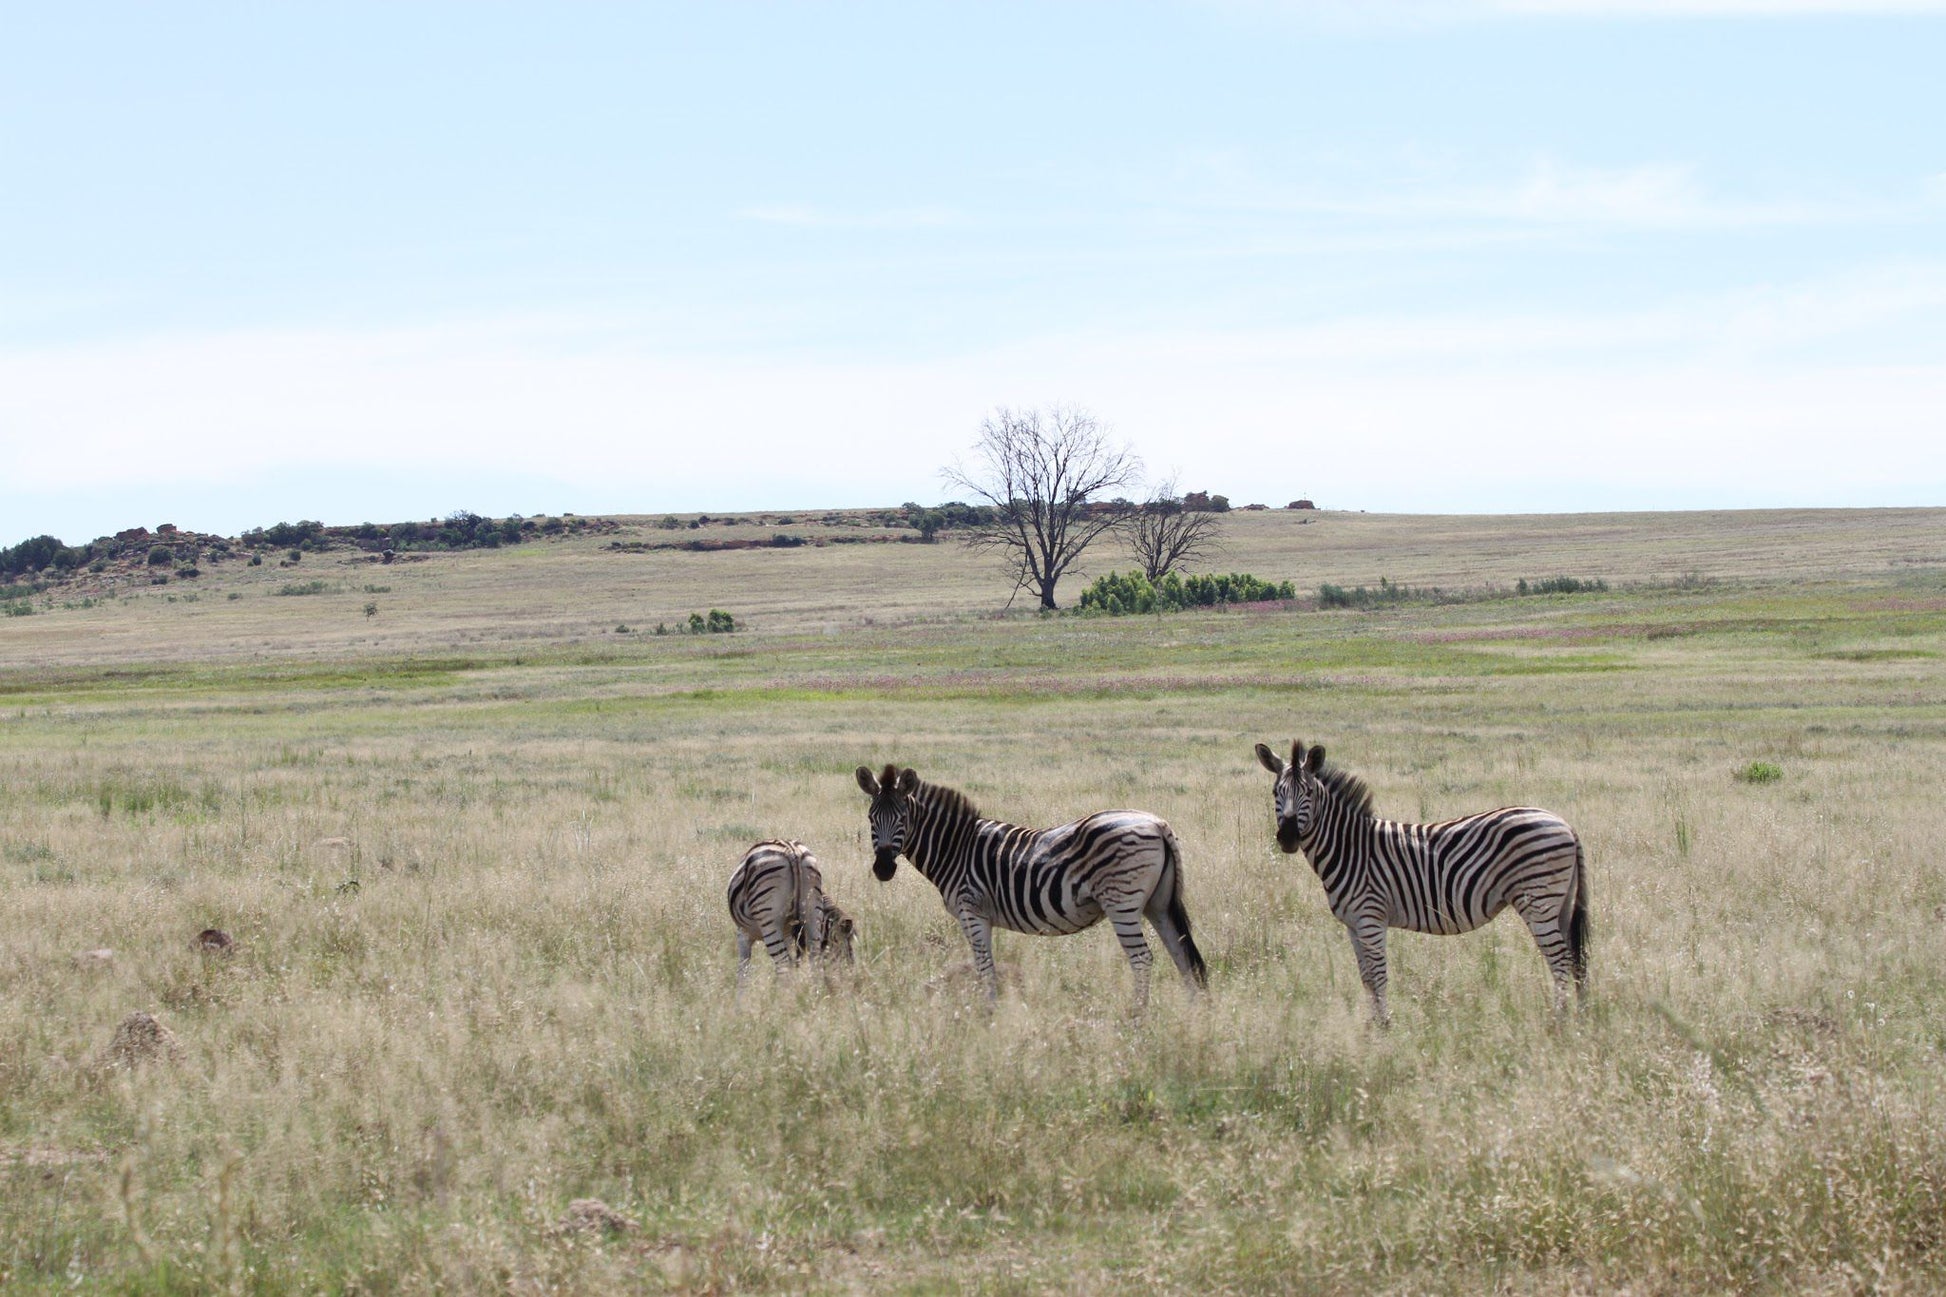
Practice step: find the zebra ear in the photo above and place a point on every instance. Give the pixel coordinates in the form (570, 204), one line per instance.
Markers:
(908, 780)
(1269, 760)
(1314, 759)
(867, 782)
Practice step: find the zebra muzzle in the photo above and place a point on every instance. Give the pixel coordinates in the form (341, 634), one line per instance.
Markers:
(885, 863)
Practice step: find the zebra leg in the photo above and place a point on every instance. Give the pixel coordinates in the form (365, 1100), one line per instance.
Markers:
(979, 935)
(743, 958)
(1368, 944)
(1175, 941)
(1135, 944)
(1542, 915)
(778, 943)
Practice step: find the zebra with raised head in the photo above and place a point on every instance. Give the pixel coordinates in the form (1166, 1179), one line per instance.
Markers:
(1444, 878)
(1122, 865)
(777, 897)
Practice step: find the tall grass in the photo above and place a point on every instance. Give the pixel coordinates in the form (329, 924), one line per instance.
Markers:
(527, 999)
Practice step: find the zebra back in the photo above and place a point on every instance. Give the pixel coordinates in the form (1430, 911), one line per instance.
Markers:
(779, 889)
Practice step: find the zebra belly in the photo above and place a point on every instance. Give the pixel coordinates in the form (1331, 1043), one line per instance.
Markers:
(1435, 910)
(1073, 915)
(1441, 925)
(1084, 914)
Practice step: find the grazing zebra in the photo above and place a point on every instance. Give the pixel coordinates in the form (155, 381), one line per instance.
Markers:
(1122, 864)
(777, 897)
(1442, 878)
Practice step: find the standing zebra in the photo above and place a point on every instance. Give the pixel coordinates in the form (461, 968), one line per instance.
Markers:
(1442, 878)
(1122, 864)
(777, 897)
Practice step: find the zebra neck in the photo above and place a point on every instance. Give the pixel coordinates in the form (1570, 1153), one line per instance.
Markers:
(1341, 832)
(940, 830)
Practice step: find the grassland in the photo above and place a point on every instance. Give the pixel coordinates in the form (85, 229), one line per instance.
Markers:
(526, 998)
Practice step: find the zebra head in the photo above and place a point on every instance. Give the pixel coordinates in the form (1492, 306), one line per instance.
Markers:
(891, 815)
(1296, 791)
(838, 931)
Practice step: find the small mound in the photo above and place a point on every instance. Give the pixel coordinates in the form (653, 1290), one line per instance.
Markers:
(215, 941)
(592, 1215)
(141, 1039)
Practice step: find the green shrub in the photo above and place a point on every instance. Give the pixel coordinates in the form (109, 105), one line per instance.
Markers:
(160, 554)
(1760, 772)
(301, 587)
(1118, 595)
(285, 535)
(1560, 585)
(720, 622)
(1387, 593)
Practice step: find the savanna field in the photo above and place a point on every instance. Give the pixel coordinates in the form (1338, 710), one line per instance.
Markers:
(469, 820)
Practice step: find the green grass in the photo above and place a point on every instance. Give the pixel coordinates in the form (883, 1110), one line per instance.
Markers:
(526, 999)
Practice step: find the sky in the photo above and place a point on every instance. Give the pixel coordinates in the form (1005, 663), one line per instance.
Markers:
(385, 261)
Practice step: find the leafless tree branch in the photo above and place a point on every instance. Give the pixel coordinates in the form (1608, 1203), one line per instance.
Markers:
(1164, 537)
(1050, 478)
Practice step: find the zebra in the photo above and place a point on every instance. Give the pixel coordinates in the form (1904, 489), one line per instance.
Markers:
(1125, 865)
(1444, 878)
(777, 897)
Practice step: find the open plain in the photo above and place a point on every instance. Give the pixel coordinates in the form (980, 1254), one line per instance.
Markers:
(470, 837)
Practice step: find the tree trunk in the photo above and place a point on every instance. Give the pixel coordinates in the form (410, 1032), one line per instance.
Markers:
(1047, 596)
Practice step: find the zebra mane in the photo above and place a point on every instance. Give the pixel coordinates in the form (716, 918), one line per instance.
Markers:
(950, 802)
(1347, 788)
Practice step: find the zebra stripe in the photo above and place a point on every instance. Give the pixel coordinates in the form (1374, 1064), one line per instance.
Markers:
(777, 897)
(1444, 878)
(1122, 865)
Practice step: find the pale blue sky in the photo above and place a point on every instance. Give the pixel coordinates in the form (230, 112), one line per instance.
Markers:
(382, 261)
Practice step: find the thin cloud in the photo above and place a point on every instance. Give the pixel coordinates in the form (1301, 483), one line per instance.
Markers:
(1747, 390)
(1709, 8)
(811, 217)
(1409, 14)
(1552, 195)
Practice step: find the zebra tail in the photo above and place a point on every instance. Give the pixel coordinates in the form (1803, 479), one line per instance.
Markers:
(1578, 927)
(800, 907)
(1180, 916)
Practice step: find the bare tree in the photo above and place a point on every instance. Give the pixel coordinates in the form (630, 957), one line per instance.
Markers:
(1044, 475)
(1164, 536)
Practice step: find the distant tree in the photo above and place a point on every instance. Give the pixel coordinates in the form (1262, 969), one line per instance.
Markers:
(32, 555)
(1044, 475)
(1163, 536)
(928, 521)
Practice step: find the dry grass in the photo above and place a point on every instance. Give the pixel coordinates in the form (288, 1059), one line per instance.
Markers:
(525, 1000)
